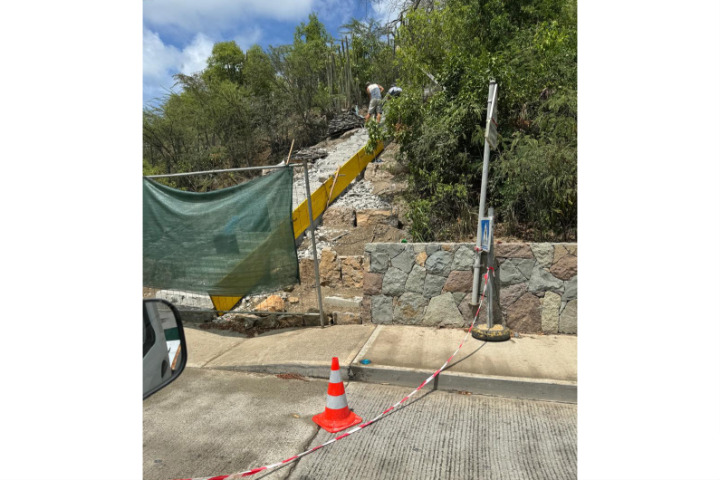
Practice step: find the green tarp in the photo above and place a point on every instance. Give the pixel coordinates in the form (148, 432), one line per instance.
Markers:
(231, 242)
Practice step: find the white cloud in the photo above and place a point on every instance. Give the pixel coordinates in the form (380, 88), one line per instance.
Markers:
(162, 61)
(221, 14)
(157, 57)
(194, 56)
(249, 37)
(388, 11)
(204, 22)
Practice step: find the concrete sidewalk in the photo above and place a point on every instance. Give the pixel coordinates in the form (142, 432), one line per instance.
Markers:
(539, 367)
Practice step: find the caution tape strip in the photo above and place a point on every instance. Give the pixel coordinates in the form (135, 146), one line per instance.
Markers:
(356, 429)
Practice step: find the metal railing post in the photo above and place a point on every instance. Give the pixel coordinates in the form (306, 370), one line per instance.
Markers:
(312, 237)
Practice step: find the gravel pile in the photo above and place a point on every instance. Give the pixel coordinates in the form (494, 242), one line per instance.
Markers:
(324, 238)
(358, 194)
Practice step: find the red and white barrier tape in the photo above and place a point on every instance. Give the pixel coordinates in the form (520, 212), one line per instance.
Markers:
(248, 473)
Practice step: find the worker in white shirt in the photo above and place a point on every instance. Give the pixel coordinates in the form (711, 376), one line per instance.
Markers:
(374, 91)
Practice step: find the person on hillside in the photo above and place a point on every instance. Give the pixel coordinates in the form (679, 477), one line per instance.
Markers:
(394, 92)
(374, 91)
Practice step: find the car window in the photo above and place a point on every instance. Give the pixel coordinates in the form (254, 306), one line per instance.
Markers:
(148, 334)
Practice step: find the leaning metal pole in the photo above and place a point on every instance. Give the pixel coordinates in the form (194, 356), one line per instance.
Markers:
(312, 237)
(489, 332)
(481, 210)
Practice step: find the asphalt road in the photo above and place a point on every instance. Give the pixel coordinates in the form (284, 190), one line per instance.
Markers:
(211, 422)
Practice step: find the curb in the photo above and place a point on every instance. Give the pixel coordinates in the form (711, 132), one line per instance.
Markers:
(310, 371)
(512, 387)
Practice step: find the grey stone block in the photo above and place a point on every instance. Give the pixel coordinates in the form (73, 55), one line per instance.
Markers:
(431, 248)
(439, 263)
(433, 285)
(525, 266)
(409, 309)
(458, 296)
(393, 249)
(570, 290)
(441, 311)
(464, 258)
(510, 274)
(568, 318)
(404, 261)
(379, 261)
(416, 280)
(542, 281)
(382, 309)
(394, 282)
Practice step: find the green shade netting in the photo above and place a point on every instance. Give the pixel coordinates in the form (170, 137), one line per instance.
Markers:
(236, 241)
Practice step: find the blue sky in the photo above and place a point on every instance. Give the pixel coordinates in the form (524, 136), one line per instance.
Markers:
(178, 36)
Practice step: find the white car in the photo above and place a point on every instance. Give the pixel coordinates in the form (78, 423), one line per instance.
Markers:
(164, 347)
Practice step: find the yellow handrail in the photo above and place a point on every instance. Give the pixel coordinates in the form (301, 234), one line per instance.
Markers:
(326, 193)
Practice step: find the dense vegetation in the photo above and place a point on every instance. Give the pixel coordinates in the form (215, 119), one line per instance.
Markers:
(245, 108)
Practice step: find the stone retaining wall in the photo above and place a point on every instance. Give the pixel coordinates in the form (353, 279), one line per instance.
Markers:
(431, 284)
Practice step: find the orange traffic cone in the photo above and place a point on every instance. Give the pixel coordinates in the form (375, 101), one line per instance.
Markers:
(337, 416)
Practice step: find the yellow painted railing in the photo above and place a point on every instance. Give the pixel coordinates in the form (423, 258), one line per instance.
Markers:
(321, 199)
(332, 188)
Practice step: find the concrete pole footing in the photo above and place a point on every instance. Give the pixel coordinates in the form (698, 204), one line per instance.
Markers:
(497, 333)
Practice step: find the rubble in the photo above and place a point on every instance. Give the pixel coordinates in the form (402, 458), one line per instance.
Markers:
(359, 194)
(310, 154)
(343, 122)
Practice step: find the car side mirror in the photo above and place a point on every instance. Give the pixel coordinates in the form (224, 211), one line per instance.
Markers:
(164, 346)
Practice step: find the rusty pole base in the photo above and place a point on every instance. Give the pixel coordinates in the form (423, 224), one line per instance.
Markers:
(497, 333)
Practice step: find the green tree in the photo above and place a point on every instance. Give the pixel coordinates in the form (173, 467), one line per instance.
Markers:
(225, 64)
(372, 55)
(301, 69)
(208, 126)
(258, 72)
